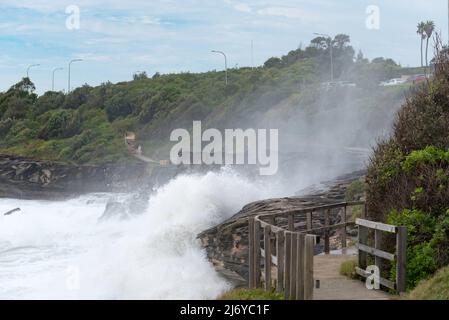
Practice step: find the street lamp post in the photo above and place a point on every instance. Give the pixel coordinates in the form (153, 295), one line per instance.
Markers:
(70, 63)
(29, 67)
(53, 78)
(226, 63)
(331, 52)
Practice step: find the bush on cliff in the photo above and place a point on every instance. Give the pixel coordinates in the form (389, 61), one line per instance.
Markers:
(61, 124)
(408, 175)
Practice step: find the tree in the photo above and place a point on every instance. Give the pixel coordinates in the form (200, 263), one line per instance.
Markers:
(18, 100)
(48, 101)
(361, 58)
(61, 124)
(118, 105)
(320, 43)
(140, 76)
(273, 63)
(25, 86)
(420, 30)
(429, 28)
(77, 98)
(341, 41)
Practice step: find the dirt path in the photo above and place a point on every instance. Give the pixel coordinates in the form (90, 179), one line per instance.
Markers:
(334, 286)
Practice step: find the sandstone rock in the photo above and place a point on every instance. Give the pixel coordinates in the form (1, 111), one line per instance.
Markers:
(32, 179)
(226, 245)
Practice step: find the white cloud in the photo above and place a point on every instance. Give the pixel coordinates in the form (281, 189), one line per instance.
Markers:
(147, 20)
(173, 35)
(286, 12)
(93, 57)
(243, 7)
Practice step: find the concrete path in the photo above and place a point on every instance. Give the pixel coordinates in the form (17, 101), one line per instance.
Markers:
(334, 286)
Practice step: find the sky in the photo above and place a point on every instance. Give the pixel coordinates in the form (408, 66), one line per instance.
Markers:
(116, 38)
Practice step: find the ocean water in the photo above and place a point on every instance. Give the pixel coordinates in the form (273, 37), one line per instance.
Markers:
(59, 250)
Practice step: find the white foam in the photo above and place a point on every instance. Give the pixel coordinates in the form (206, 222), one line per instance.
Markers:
(59, 250)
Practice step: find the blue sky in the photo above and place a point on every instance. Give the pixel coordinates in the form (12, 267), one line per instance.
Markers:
(118, 37)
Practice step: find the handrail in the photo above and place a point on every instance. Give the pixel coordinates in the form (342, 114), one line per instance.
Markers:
(309, 229)
(313, 209)
(399, 257)
(294, 249)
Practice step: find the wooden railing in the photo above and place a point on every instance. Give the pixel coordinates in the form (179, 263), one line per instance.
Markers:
(399, 256)
(288, 247)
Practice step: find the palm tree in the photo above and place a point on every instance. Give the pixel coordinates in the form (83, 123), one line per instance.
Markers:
(429, 28)
(422, 33)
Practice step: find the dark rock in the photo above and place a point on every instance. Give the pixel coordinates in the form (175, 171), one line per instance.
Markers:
(114, 210)
(10, 212)
(32, 179)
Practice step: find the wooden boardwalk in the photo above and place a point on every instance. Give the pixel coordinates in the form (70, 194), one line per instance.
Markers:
(285, 242)
(334, 286)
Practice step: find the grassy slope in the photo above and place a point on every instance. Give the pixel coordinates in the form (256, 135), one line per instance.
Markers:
(436, 288)
(250, 294)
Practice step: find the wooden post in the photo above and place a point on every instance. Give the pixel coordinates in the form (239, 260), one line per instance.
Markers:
(251, 275)
(309, 220)
(343, 231)
(287, 252)
(300, 267)
(362, 239)
(267, 248)
(256, 253)
(378, 245)
(327, 249)
(364, 211)
(280, 258)
(293, 263)
(272, 220)
(308, 272)
(401, 250)
(291, 222)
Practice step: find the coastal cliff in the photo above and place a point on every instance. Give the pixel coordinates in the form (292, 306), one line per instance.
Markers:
(24, 178)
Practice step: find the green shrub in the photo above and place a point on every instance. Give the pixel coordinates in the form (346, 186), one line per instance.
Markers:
(347, 268)
(5, 126)
(426, 243)
(49, 101)
(355, 190)
(118, 106)
(61, 124)
(431, 155)
(251, 294)
(77, 97)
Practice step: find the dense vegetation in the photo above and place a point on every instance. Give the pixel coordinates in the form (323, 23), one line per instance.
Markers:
(87, 125)
(408, 177)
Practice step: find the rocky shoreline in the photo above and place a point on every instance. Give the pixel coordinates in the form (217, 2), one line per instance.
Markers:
(226, 245)
(23, 178)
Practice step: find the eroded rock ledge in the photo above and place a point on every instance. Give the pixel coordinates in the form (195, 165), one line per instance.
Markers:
(34, 179)
(226, 245)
